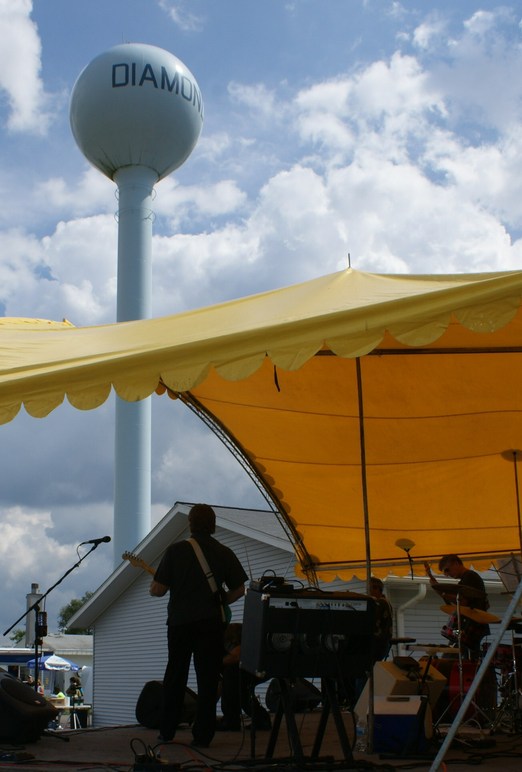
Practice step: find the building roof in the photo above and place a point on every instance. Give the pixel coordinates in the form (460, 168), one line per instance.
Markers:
(69, 645)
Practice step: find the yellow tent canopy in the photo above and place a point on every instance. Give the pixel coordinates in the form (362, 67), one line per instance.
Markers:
(390, 401)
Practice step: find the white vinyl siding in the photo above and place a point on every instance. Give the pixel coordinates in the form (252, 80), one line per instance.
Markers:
(130, 648)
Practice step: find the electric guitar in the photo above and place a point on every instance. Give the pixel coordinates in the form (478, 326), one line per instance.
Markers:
(429, 574)
(137, 562)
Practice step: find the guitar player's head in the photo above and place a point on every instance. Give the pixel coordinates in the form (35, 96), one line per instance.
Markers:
(202, 519)
(451, 565)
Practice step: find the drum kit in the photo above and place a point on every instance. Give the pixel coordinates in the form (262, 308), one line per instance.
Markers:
(460, 671)
(464, 633)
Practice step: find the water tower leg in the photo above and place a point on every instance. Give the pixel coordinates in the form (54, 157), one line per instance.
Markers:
(132, 489)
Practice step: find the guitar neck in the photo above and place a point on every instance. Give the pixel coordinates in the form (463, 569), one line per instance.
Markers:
(138, 562)
(429, 574)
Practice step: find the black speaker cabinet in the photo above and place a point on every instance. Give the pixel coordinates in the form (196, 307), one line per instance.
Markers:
(306, 633)
(150, 703)
(24, 713)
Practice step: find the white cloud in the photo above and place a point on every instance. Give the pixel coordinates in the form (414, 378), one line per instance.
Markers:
(384, 104)
(486, 174)
(476, 70)
(181, 15)
(480, 23)
(400, 221)
(93, 192)
(20, 65)
(192, 202)
(258, 98)
(71, 273)
(429, 31)
(214, 146)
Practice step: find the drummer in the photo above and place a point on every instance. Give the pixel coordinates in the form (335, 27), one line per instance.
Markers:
(472, 631)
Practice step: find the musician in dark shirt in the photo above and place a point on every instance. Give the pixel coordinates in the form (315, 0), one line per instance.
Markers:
(195, 625)
(383, 629)
(472, 631)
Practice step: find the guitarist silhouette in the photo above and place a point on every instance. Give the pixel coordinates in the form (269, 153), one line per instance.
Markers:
(193, 572)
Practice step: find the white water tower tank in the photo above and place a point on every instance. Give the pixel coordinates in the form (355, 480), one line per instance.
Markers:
(136, 105)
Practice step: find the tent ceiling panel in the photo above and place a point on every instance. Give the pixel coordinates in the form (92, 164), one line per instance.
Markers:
(435, 428)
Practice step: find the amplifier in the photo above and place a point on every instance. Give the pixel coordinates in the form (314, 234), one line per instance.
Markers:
(306, 633)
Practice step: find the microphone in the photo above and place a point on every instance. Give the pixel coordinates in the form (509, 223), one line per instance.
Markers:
(95, 542)
(406, 545)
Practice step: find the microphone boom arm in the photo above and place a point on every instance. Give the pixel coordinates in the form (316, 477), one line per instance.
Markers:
(47, 592)
(36, 608)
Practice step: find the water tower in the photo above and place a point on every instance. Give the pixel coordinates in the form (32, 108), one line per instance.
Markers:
(136, 113)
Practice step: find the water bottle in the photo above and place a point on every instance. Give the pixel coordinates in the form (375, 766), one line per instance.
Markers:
(361, 738)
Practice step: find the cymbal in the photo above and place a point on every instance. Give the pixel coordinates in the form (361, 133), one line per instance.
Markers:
(458, 589)
(514, 623)
(448, 608)
(476, 614)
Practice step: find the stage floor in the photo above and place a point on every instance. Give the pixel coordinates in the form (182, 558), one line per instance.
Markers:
(117, 748)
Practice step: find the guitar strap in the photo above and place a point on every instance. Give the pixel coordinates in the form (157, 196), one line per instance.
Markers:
(208, 573)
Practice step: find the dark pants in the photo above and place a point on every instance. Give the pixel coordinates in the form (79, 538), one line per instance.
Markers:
(204, 640)
(237, 695)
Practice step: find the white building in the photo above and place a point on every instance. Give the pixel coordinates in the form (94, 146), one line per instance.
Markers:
(75, 648)
(130, 637)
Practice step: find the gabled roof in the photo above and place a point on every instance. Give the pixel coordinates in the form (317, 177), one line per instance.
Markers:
(259, 525)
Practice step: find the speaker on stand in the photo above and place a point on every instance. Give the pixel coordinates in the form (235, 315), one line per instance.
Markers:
(24, 714)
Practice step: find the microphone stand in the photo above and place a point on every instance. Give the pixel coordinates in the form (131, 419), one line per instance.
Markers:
(410, 561)
(40, 617)
(406, 545)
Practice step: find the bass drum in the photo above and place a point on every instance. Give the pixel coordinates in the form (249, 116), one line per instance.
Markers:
(449, 701)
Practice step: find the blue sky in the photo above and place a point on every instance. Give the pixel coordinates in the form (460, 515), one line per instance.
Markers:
(389, 131)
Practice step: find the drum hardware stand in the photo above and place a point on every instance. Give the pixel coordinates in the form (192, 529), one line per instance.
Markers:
(460, 695)
(510, 707)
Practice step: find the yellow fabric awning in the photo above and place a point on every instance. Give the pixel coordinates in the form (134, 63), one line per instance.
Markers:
(441, 365)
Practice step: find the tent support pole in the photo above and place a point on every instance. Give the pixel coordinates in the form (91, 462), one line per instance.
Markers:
(477, 680)
(364, 487)
(517, 491)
